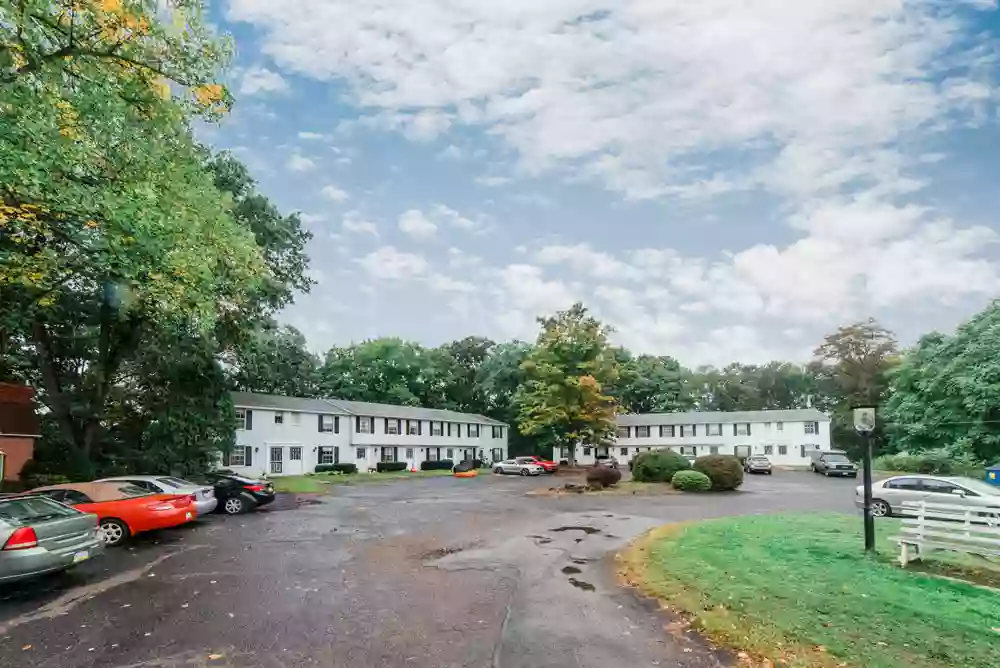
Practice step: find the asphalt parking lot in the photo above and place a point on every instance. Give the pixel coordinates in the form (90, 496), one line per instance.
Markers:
(433, 572)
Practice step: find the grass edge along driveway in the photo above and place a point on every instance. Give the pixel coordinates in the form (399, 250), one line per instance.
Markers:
(320, 482)
(796, 589)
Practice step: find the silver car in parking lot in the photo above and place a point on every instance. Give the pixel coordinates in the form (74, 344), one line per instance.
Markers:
(889, 495)
(39, 535)
(520, 466)
(204, 495)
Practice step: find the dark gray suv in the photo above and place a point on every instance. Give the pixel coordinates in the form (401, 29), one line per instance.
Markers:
(833, 462)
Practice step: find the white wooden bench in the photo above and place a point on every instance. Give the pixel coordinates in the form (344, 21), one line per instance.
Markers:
(945, 526)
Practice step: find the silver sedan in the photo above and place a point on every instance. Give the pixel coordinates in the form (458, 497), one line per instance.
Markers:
(204, 496)
(889, 495)
(518, 466)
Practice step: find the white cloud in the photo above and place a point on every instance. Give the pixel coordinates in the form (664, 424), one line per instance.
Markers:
(451, 152)
(586, 261)
(492, 181)
(414, 223)
(454, 218)
(256, 80)
(442, 283)
(388, 263)
(353, 222)
(333, 193)
(312, 136)
(299, 163)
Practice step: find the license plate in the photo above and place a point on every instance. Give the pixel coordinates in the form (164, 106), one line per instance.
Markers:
(81, 556)
(187, 516)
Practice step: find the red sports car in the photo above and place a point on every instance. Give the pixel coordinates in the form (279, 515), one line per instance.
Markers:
(549, 466)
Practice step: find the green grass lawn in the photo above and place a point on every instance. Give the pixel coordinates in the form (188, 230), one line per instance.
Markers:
(321, 482)
(797, 588)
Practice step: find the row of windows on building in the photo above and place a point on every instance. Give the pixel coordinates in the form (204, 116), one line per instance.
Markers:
(243, 455)
(366, 425)
(692, 450)
(687, 430)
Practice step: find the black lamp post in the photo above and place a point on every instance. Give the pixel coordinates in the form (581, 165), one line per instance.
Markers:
(864, 424)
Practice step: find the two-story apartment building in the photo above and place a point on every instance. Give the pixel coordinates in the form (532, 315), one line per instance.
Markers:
(786, 437)
(281, 435)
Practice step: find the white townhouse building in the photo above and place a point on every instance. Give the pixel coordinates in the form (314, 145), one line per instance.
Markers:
(786, 437)
(281, 435)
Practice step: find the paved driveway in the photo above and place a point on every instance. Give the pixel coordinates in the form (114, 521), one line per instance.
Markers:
(435, 573)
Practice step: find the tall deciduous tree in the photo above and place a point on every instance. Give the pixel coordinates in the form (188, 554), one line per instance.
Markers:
(275, 360)
(946, 392)
(497, 380)
(569, 372)
(469, 355)
(651, 384)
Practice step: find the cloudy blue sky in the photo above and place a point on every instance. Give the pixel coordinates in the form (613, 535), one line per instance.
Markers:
(720, 180)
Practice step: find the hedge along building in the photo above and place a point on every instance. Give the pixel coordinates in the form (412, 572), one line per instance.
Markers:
(280, 435)
(786, 437)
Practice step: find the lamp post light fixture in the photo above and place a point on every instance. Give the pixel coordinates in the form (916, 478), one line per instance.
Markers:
(864, 424)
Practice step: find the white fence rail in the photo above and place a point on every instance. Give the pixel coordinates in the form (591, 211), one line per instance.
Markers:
(945, 526)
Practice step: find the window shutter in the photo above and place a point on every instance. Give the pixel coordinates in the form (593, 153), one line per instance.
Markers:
(319, 422)
(248, 454)
(357, 424)
(386, 425)
(336, 424)
(336, 455)
(395, 454)
(694, 430)
(734, 429)
(420, 427)
(449, 429)
(249, 419)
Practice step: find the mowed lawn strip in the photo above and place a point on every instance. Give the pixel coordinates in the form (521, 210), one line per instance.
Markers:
(321, 481)
(798, 588)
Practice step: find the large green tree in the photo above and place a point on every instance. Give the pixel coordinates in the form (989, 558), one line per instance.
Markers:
(651, 384)
(497, 381)
(565, 398)
(752, 387)
(945, 393)
(274, 360)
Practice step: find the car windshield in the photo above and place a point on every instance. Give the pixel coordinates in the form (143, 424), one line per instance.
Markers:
(758, 459)
(25, 510)
(175, 482)
(835, 458)
(977, 486)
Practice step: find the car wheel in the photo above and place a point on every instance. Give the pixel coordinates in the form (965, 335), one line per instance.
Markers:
(880, 508)
(770, 472)
(235, 505)
(826, 474)
(498, 471)
(524, 471)
(113, 532)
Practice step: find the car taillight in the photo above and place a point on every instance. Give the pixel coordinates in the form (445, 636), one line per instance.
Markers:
(160, 506)
(255, 488)
(21, 539)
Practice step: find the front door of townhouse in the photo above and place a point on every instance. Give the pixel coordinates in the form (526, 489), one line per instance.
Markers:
(277, 459)
(294, 464)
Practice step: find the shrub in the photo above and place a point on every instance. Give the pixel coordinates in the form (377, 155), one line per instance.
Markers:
(337, 468)
(691, 481)
(658, 466)
(725, 471)
(437, 465)
(939, 462)
(603, 476)
(382, 467)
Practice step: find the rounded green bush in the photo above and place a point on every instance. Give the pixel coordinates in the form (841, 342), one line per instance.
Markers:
(659, 466)
(725, 471)
(691, 481)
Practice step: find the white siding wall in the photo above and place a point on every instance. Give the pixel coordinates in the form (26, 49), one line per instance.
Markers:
(762, 436)
(364, 450)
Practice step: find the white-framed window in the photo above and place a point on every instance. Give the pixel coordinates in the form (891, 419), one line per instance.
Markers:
(451, 453)
(327, 423)
(388, 453)
(642, 432)
(326, 455)
(782, 449)
(811, 427)
(586, 452)
(413, 427)
(623, 451)
(742, 429)
(768, 449)
(689, 450)
(714, 450)
(437, 429)
(295, 453)
(366, 425)
(409, 453)
(238, 457)
(714, 429)
(241, 419)
(296, 419)
(391, 427)
(667, 431)
(279, 417)
(497, 432)
(473, 431)
(624, 432)
(780, 426)
(688, 430)
(360, 453)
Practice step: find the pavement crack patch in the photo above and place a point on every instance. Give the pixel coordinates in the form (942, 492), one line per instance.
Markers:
(585, 529)
(580, 584)
(65, 603)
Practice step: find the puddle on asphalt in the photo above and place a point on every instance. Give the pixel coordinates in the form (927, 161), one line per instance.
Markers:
(580, 584)
(581, 561)
(540, 540)
(586, 530)
(571, 570)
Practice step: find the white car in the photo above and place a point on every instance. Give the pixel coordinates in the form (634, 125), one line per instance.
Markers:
(204, 496)
(518, 466)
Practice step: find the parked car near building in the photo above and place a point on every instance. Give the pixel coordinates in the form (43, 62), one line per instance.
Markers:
(889, 495)
(123, 510)
(236, 494)
(204, 495)
(757, 464)
(39, 536)
(520, 466)
(833, 462)
(549, 466)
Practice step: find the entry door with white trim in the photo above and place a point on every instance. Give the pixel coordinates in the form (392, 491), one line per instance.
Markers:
(277, 459)
(294, 465)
